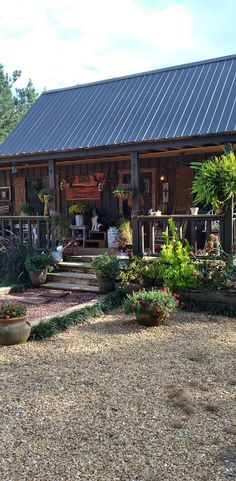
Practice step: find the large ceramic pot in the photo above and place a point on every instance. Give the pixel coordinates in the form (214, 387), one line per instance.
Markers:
(79, 219)
(14, 331)
(146, 319)
(105, 284)
(38, 277)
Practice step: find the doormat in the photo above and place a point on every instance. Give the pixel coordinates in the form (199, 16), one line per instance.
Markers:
(55, 294)
(35, 300)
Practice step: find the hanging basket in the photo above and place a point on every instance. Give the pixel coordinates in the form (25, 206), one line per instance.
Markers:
(124, 191)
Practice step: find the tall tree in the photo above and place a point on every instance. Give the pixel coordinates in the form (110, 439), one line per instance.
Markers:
(14, 102)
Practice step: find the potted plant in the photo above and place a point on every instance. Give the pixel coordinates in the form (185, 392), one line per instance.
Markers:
(123, 191)
(78, 210)
(14, 328)
(46, 195)
(124, 239)
(215, 181)
(27, 209)
(37, 266)
(151, 307)
(107, 269)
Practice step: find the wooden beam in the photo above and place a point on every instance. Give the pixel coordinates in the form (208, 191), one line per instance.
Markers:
(52, 179)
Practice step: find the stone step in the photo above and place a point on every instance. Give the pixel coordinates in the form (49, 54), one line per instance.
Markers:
(70, 287)
(72, 278)
(85, 258)
(76, 267)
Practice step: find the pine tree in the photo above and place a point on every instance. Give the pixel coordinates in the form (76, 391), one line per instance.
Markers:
(14, 102)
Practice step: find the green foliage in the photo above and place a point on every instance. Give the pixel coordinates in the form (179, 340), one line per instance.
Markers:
(14, 102)
(27, 209)
(59, 226)
(45, 192)
(215, 180)
(213, 273)
(58, 324)
(35, 262)
(139, 269)
(125, 234)
(175, 265)
(106, 265)
(12, 259)
(123, 189)
(11, 310)
(156, 302)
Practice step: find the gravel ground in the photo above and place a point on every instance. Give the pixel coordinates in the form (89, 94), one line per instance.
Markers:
(113, 401)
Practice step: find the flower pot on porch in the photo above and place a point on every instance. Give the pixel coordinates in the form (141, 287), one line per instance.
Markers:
(14, 331)
(38, 277)
(79, 219)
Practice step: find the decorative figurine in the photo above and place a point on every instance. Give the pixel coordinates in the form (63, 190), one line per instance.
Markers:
(95, 225)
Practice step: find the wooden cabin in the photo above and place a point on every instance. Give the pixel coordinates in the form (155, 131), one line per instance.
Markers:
(144, 129)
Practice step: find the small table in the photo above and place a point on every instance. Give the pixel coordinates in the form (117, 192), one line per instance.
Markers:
(78, 232)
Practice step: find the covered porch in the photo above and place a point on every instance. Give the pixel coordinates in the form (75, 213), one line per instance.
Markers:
(160, 175)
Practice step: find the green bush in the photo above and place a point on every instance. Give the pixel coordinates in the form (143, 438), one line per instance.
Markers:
(106, 265)
(215, 180)
(175, 265)
(139, 269)
(12, 260)
(35, 262)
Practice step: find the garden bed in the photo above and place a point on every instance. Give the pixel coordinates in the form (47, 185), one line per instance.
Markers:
(111, 400)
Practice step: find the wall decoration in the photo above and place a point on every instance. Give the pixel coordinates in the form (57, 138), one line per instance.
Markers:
(82, 187)
(5, 194)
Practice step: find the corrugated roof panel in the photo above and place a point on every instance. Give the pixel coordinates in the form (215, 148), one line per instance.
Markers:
(187, 100)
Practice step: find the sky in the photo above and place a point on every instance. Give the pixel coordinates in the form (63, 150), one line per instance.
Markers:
(59, 43)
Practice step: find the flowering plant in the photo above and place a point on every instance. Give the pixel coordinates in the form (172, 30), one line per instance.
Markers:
(11, 310)
(79, 209)
(157, 303)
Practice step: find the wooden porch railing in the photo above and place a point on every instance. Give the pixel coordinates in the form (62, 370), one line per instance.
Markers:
(195, 228)
(33, 231)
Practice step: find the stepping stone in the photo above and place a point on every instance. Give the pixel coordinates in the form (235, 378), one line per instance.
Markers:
(55, 294)
(35, 300)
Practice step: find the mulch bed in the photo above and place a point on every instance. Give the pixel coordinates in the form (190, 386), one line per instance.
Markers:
(39, 306)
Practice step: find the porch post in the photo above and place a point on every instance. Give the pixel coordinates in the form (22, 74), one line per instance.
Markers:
(228, 228)
(136, 202)
(52, 180)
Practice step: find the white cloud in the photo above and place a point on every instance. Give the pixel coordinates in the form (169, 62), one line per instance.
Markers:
(64, 42)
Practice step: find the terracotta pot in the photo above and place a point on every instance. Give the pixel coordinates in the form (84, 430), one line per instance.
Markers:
(14, 331)
(38, 277)
(147, 319)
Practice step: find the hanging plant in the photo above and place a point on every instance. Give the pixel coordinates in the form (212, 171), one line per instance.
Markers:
(215, 180)
(124, 191)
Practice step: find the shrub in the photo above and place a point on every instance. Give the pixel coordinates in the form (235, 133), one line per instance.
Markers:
(12, 259)
(37, 262)
(175, 266)
(139, 269)
(106, 265)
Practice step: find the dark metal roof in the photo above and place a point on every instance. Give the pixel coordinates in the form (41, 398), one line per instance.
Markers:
(196, 99)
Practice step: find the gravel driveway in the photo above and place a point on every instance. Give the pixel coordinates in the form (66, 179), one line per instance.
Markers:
(112, 401)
